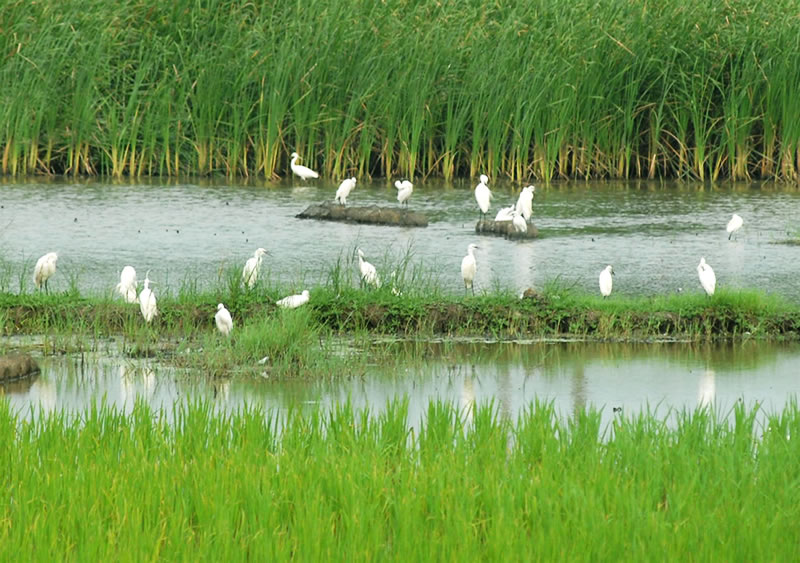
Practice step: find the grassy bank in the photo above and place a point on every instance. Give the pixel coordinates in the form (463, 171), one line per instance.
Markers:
(340, 485)
(542, 89)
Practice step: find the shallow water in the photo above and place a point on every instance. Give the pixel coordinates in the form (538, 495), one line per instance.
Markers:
(654, 234)
(573, 375)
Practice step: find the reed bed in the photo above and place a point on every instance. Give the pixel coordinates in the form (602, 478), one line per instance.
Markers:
(341, 484)
(544, 89)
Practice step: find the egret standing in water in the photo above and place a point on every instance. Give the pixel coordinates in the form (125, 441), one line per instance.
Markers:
(606, 282)
(347, 186)
(525, 202)
(483, 195)
(734, 225)
(468, 268)
(294, 301)
(404, 191)
(707, 278)
(369, 275)
(303, 172)
(127, 285)
(147, 300)
(223, 320)
(251, 267)
(44, 269)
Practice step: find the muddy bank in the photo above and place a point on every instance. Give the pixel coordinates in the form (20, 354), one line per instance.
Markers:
(505, 229)
(370, 215)
(17, 366)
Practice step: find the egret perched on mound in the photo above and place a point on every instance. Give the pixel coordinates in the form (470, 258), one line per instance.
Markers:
(605, 280)
(127, 285)
(734, 225)
(293, 301)
(468, 268)
(369, 275)
(505, 214)
(44, 269)
(404, 191)
(483, 195)
(519, 223)
(304, 172)
(525, 202)
(707, 278)
(347, 186)
(224, 320)
(250, 270)
(147, 300)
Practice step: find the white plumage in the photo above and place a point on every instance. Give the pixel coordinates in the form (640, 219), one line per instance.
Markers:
(519, 223)
(505, 214)
(606, 281)
(44, 269)
(251, 267)
(347, 186)
(525, 202)
(147, 301)
(369, 275)
(404, 191)
(127, 285)
(303, 172)
(483, 195)
(223, 320)
(468, 267)
(293, 301)
(734, 225)
(707, 278)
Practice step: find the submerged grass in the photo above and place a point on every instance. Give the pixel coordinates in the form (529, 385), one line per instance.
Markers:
(348, 485)
(540, 89)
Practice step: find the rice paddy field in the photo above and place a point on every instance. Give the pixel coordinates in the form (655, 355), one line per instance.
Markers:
(544, 89)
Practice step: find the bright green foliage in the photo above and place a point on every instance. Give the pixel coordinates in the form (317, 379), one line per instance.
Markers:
(545, 89)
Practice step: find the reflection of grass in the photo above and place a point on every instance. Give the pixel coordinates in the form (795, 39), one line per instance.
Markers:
(461, 486)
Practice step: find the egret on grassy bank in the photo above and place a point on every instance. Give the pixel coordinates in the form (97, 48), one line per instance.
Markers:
(223, 320)
(525, 202)
(606, 282)
(468, 268)
(147, 300)
(127, 285)
(404, 191)
(44, 269)
(369, 275)
(347, 186)
(251, 267)
(734, 225)
(293, 301)
(483, 195)
(707, 278)
(303, 172)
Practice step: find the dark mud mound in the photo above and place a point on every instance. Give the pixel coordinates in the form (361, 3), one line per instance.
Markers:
(17, 366)
(371, 215)
(504, 229)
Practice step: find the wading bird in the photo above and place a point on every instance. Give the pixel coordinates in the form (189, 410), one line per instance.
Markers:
(734, 225)
(404, 191)
(223, 320)
(127, 285)
(304, 172)
(251, 267)
(483, 195)
(147, 300)
(518, 221)
(505, 214)
(606, 282)
(293, 301)
(525, 202)
(347, 186)
(707, 278)
(468, 268)
(369, 275)
(44, 269)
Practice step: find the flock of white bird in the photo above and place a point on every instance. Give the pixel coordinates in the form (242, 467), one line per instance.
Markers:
(519, 214)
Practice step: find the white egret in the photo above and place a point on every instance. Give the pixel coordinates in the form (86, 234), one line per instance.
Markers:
(44, 269)
(606, 282)
(304, 172)
(518, 221)
(251, 267)
(707, 278)
(223, 320)
(734, 225)
(147, 300)
(127, 285)
(468, 267)
(347, 186)
(369, 275)
(505, 214)
(525, 202)
(404, 191)
(483, 195)
(293, 301)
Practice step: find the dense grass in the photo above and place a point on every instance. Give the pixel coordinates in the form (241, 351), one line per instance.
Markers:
(343, 485)
(538, 89)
